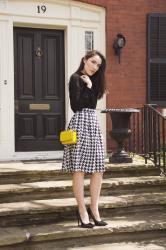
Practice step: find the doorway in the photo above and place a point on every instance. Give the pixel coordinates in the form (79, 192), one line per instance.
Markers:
(39, 75)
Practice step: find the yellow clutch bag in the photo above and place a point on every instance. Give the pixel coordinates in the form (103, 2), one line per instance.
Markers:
(68, 137)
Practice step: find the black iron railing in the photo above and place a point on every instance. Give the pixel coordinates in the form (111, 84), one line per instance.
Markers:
(149, 136)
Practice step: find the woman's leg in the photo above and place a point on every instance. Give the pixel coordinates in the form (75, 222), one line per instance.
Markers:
(95, 188)
(78, 189)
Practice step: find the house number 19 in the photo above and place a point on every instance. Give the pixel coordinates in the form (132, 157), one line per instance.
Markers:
(41, 9)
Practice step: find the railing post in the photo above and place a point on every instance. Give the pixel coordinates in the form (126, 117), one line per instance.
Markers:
(163, 136)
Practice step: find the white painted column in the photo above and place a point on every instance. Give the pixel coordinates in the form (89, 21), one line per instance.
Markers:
(6, 89)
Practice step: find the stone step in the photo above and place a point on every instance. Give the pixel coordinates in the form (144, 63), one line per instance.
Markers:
(35, 171)
(43, 211)
(67, 235)
(19, 172)
(62, 189)
(131, 170)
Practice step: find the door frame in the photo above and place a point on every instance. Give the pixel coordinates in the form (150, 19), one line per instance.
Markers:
(42, 154)
(72, 24)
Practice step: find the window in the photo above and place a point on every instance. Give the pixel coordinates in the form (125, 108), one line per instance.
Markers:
(89, 41)
(157, 59)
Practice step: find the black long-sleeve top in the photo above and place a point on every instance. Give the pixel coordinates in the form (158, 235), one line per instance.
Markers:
(80, 95)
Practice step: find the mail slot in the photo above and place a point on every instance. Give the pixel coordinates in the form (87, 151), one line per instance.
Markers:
(38, 106)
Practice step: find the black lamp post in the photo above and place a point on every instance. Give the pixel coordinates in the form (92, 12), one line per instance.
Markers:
(120, 131)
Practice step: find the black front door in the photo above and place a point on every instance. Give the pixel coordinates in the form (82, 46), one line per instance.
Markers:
(39, 88)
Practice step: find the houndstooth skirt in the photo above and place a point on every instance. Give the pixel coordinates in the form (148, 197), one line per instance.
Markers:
(88, 154)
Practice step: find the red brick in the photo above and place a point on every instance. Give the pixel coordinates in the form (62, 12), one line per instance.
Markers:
(126, 82)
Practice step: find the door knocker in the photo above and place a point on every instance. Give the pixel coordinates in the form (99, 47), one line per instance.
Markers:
(39, 52)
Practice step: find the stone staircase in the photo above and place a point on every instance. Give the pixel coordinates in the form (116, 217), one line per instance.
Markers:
(37, 208)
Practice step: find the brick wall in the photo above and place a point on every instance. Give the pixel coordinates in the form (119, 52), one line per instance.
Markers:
(126, 82)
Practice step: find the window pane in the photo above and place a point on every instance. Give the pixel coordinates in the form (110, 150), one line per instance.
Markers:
(89, 41)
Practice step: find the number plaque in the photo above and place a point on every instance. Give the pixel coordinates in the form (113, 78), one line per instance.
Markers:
(41, 9)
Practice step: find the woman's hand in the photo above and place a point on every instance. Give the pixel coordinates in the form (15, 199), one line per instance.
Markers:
(87, 80)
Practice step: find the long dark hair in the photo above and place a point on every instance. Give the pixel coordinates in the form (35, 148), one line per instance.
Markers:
(99, 77)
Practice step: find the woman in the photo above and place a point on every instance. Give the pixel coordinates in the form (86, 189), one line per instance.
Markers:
(86, 85)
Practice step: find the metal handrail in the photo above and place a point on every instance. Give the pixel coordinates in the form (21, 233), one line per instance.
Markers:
(149, 136)
(151, 106)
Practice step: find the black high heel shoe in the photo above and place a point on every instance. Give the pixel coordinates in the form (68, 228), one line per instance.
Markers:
(97, 222)
(84, 225)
